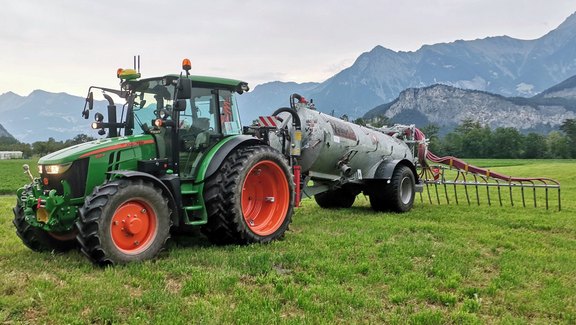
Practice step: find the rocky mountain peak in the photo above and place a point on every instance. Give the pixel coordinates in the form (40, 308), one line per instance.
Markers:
(568, 24)
(4, 133)
(564, 34)
(448, 106)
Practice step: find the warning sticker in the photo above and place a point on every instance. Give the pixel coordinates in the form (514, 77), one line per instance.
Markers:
(343, 130)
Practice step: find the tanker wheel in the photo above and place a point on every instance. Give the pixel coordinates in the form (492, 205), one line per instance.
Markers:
(398, 194)
(124, 221)
(335, 199)
(40, 240)
(251, 198)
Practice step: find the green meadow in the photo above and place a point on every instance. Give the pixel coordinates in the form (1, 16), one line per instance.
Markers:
(438, 264)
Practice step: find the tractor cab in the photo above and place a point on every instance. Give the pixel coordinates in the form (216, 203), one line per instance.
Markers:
(186, 115)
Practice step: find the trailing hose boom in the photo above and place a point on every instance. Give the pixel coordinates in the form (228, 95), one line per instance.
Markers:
(453, 172)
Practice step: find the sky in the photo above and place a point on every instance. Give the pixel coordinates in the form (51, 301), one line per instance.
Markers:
(69, 45)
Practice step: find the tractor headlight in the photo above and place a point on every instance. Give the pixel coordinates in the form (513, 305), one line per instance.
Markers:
(56, 169)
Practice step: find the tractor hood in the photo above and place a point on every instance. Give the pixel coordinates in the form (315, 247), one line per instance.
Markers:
(95, 148)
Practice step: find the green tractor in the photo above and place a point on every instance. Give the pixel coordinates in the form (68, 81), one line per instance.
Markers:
(174, 158)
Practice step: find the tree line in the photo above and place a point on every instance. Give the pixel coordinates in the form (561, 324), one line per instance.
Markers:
(473, 140)
(40, 148)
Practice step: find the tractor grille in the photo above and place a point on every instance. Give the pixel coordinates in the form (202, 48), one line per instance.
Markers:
(75, 176)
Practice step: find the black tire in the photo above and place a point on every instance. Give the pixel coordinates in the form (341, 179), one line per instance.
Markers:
(397, 195)
(126, 220)
(40, 240)
(235, 212)
(335, 199)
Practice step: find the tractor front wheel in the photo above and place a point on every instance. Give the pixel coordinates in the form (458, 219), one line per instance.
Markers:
(124, 221)
(251, 199)
(40, 240)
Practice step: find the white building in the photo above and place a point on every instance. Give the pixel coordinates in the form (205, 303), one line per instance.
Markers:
(10, 155)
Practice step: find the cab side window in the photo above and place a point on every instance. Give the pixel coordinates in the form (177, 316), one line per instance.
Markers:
(228, 113)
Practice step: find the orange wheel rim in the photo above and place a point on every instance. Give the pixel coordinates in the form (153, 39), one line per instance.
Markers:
(133, 226)
(265, 198)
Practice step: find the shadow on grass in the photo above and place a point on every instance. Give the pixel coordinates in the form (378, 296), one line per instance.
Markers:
(191, 237)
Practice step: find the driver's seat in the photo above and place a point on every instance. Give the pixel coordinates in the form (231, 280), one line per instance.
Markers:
(202, 126)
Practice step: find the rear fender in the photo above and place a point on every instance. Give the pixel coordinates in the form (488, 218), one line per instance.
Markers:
(223, 152)
(386, 169)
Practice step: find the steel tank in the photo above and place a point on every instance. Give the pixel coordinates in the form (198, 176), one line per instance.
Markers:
(331, 147)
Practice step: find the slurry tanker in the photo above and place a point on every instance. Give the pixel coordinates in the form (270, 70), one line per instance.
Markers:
(176, 157)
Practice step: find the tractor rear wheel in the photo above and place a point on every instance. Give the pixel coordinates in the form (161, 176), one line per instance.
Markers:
(335, 199)
(124, 221)
(251, 199)
(40, 240)
(397, 195)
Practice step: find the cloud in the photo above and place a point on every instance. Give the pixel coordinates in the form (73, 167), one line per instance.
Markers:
(64, 45)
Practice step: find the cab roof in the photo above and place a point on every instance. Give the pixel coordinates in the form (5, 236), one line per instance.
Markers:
(204, 81)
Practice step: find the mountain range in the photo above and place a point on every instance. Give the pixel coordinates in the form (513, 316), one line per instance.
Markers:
(500, 65)
(4, 133)
(447, 106)
(42, 115)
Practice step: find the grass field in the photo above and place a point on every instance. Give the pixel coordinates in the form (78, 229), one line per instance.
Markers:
(12, 175)
(434, 265)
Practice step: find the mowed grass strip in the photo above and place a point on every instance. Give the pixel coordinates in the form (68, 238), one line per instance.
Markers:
(433, 265)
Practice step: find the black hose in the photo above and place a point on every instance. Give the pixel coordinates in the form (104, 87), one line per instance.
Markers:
(298, 97)
(295, 118)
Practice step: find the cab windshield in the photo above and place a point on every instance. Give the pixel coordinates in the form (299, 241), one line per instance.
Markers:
(207, 109)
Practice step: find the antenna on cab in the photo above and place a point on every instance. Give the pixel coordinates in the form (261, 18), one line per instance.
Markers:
(137, 63)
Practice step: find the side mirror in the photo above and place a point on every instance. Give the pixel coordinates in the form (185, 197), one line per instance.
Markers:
(183, 88)
(180, 105)
(90, 100)
(242, 88)
(90, 104)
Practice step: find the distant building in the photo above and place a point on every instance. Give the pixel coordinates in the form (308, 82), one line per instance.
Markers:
(10, 155)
